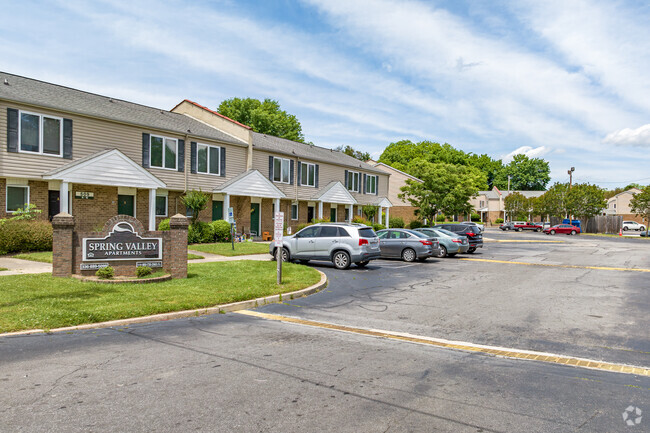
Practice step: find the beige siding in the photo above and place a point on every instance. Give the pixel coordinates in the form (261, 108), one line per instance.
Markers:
(326, 174)
(93, 135)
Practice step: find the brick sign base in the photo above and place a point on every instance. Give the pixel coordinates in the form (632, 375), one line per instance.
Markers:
(68, 247)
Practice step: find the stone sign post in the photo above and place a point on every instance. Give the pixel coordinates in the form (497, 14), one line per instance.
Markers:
(123, 244)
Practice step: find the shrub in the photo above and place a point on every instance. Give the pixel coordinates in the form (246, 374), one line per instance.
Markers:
(142, 271)
(164, 225)
(359, 220)
(29, 212)
(396, 223)
(302, 226)
(440, 218)
(17, 236)
(196, 201)
(378, 226)
(475, 217)
(105, 273)
(415, 224)
(221, 230)
(499, 221)
(320, 220)
(200, 232)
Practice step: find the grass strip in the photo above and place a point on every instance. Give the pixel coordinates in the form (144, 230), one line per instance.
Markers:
(40, 301)
(46, 256)
(225, 249)
(191, 256)
(3, 269)
(612, 235)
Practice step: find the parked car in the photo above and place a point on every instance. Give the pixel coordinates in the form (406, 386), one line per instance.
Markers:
(643, 233)
(562, 228)
(450, 243)
(538, 227)
(473, 234)
(633, 225)
(507, 226)
(409, 245)
(342, 244)
(481, 227)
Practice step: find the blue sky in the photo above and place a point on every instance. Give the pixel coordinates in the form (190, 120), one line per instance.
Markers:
(566, 81)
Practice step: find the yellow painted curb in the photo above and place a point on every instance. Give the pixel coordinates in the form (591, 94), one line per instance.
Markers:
(253, 303)
(600, 268)
(464, 346)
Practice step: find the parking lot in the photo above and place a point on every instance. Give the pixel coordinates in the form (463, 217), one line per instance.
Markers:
(354, 357)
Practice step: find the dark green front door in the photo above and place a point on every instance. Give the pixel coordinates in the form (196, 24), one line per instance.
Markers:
(125, 205)
(333, 214)
(255, 219)
(217, 210)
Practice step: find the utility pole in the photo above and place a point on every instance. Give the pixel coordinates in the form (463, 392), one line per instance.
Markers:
(570, 173)
(504, 201)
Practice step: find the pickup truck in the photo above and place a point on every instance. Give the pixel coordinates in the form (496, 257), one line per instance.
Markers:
(528, 226)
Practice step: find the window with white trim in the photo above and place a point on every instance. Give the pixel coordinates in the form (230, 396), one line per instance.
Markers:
(17, 197)
(294, 211)
(40, 134)
(371, 184)
(281, 170)
(307, 174)
(161, 206)
(354, 183)
(208, 159)
(162, 152)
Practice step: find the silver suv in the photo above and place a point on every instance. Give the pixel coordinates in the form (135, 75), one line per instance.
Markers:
(340, 243)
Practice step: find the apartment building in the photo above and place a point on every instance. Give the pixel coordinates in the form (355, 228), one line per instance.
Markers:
(620, 205)
(95, 156)
(490, 205)
(401, 208)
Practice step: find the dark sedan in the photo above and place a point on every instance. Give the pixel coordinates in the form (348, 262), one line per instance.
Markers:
(566, 229)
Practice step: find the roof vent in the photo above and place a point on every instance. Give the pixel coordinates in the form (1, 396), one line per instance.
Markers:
(6, 82)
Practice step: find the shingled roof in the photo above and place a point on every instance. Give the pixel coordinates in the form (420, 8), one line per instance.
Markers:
(34, 92)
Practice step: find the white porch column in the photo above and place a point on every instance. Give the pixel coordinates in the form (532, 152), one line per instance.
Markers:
(276, 206)
(320, 210)
(226, 205)
(387, 217)
(152, 209)
(63, 198)
(381, 210)
(350, 209)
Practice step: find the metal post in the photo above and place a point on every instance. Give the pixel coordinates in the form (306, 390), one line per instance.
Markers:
(278, 258)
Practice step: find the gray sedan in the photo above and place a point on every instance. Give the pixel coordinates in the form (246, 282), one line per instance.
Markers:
(450, 243)
(408, 245)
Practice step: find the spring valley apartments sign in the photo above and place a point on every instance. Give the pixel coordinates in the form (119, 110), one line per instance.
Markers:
(122, 243)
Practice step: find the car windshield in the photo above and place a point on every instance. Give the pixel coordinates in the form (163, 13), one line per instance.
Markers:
(367, 233)
(447, 232)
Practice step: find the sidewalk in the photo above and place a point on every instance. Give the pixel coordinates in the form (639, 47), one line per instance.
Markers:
(265, 257)
(18, 266)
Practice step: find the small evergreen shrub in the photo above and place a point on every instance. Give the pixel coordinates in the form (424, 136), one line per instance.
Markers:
(499, 221)
(105, 273)
(415, 224)
(475, 217)
(378, 226)
(200, 232)
(396, 223)
(164, 225)
(20, 236)
(221, 230)
(440, 218)
(302, 226)
(320, 220)
(143, 271)
(359, 220)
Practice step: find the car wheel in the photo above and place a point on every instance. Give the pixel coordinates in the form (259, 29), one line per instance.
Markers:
(304, 262)
(408, 255)
(285, 255)
(341, 260)
(641, 229)
(520, 229)
(443, 252)
(573, 232)
(362, 264)
(625, 228)
(538, 230)
(471, 250)
(552, 232)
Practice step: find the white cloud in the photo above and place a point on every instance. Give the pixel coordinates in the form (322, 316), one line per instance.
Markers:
(639, 137)
(531, 152)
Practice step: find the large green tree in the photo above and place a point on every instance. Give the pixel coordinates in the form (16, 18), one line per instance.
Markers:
(446, 188)
(517, 206)
(640, 205)
(553, 202)
(526, 174)
(264, 117)
(585, 201)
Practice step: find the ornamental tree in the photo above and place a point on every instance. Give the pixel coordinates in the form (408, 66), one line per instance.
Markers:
(196, 201)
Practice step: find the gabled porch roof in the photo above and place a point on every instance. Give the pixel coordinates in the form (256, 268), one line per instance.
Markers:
(335, 192)
(251, 184)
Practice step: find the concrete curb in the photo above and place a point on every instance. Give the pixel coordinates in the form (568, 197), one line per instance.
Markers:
(224, 308)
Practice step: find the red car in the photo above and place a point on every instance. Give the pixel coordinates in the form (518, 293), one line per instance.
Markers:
(528, 226)
(567, 229)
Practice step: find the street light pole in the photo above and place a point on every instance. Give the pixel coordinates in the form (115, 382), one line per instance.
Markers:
(570, 173)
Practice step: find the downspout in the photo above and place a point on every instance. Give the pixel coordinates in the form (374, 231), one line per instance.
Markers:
(185, 159)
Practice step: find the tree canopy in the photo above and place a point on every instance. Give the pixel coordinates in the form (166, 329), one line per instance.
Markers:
(517, 206)
(526, 174)
(640, 205)
(585, 200)
(349, 150)
(263, 117)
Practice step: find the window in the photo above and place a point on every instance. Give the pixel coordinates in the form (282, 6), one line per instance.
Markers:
(353, 181)
(307, 174)
(207, 159)
(281, 170)
(371, 184)
(481, 203)
(161, 206)
(309, 232)
(294, 211)
(328, 232)
(39, 133)
(17, 197)
(162, 153)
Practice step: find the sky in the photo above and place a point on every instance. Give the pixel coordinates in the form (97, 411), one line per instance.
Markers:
(564, 81)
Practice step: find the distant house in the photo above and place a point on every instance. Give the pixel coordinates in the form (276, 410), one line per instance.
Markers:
(620, 205)
(490, 205)
(401, 208)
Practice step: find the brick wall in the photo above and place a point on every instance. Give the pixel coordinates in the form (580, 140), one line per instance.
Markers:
(404, 212)
(3, 198)
(241, 207)
(90, 215)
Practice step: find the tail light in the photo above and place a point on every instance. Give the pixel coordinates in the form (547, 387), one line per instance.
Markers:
(426, 242)
(458, 241)
(470, 234)
(363, 242)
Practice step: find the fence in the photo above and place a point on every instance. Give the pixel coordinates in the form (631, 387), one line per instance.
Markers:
(604, 224)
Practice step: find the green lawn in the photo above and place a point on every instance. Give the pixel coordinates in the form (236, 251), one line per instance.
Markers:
(40, 301)
(3, 269)
(46, 256)
(225, 249)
